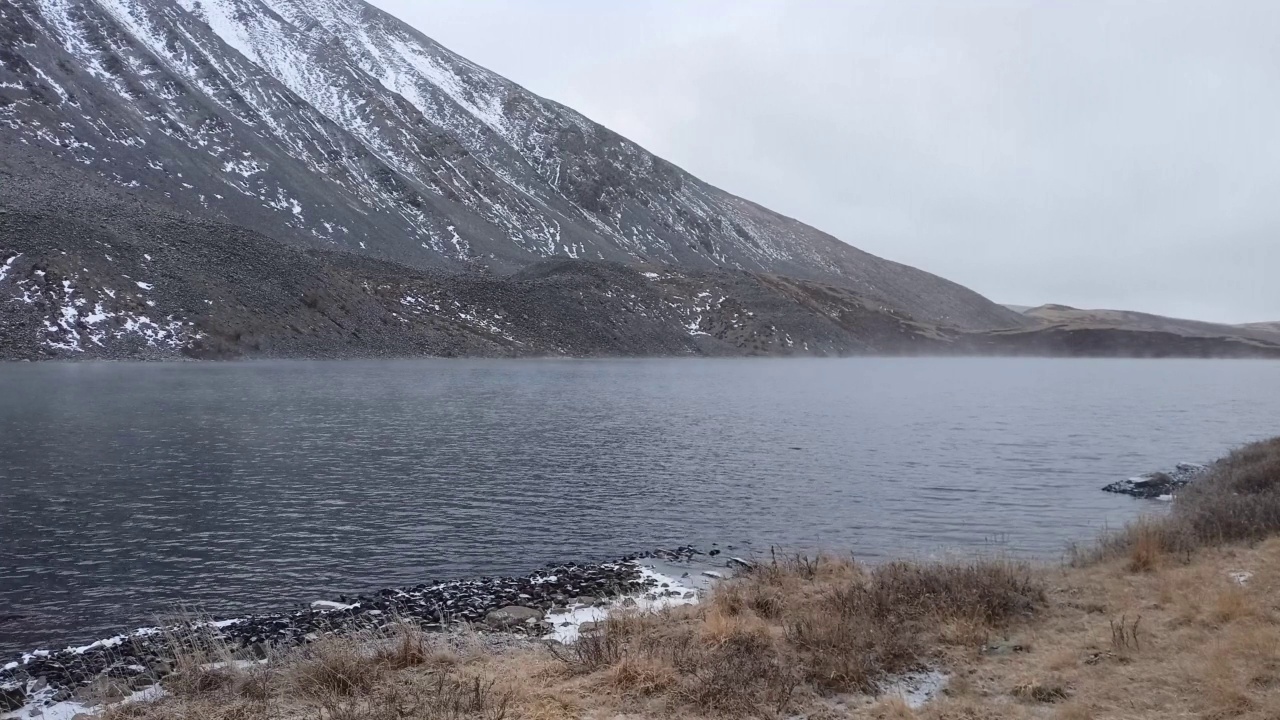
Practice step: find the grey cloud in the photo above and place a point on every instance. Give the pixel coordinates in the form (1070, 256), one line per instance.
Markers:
(1098, 154)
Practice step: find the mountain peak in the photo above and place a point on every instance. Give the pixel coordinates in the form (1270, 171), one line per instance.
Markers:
(331, 124)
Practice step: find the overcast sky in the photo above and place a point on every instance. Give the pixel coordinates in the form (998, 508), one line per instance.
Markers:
(1098, 154)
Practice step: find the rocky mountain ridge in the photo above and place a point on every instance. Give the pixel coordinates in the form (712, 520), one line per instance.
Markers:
(280, 178)
(330, 124)
(88, 270)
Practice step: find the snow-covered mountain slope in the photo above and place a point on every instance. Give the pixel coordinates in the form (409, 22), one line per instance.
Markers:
(332, 124)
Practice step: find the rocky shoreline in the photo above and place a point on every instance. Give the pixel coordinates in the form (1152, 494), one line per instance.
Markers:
(1159, 485)
(535, 605)
(532, 605)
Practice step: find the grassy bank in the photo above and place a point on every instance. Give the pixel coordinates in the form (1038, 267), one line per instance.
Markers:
(1169, 618)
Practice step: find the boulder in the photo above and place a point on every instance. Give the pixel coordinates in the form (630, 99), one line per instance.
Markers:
(513, 616)
(12, 698)
(102, 691)
(588, 627)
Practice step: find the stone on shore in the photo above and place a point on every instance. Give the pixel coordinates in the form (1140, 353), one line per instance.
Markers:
(12, 698)
(513, 616)
(514, 604)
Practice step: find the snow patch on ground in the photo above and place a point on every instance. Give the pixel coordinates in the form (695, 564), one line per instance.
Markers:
(36, 709)
(8, 264)
(330, 605)
(916, 688)
(71, 321)
(243, 168)
(567, 625)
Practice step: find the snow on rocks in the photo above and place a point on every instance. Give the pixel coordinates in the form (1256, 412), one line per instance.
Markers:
(330, 605)
(553, 603)
(78, 315)
(7, 266)
(1159, 485)
(578, 616)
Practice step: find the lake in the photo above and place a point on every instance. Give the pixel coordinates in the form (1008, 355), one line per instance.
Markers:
(127, 488)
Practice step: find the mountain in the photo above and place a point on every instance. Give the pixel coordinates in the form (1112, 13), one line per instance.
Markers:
(331, 125)
(97, 271)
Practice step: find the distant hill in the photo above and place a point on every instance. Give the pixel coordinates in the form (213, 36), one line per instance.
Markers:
(1272, 327)
(1067, 317)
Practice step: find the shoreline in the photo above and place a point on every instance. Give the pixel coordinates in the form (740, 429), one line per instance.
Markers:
(566, 594)
(560, 597)
(840, 638)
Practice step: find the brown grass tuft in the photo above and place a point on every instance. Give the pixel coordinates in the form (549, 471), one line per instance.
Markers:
(640, 676)
(333, 669)
(1147, 544)
(1233, 603)
(1040, 692)
(1238, 501)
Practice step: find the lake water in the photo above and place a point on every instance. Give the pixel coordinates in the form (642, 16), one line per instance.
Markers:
(126, 488)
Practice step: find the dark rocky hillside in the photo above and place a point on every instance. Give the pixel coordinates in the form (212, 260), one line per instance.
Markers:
(330, 125)
(290, 178)
(91, 270)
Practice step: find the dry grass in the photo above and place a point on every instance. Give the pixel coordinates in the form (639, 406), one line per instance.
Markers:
(393, 675)
(804, 626)
(1152, 623)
